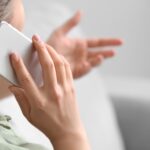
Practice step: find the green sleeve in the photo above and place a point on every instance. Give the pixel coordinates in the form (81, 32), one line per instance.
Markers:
(9, 140)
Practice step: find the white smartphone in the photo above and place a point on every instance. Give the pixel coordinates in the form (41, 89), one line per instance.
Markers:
(12, 40)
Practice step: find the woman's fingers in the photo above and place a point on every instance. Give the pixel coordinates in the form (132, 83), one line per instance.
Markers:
(22, 100)
(82, 69)
(24, 76)
(103, 42)
(59, 65)
(105, 54)
(95, 61)
(70, 24)
(48, 68)
(68, 71)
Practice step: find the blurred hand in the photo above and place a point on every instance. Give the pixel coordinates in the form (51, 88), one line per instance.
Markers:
(78, 51)
(52, 108)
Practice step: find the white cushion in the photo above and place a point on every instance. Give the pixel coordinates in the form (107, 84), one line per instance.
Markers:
(97, 113)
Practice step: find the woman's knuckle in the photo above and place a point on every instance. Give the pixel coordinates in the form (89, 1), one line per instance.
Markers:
(18, 96)
(57, 94)
(72, 90)
(42, 46)
(25, 79)
(41, 105)
(69, 89)
(48, 64)
(59, 62)
(67, 64)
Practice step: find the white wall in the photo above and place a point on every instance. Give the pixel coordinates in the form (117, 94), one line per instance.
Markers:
(128, 19)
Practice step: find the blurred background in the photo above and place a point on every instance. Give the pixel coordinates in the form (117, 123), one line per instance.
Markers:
(129, 20)
(126, 77)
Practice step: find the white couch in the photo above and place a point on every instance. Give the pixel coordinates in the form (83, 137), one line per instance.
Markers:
(131, 100)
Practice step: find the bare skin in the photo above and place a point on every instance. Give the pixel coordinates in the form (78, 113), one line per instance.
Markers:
(60, 119)
(52, 108)
(78, 52)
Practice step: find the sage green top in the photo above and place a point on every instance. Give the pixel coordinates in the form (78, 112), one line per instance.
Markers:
(9, 140)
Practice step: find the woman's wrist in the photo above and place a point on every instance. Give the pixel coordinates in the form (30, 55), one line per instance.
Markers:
(71, 141)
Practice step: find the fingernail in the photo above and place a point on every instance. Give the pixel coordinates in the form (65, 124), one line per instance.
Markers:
(37, 38)
(14, 57)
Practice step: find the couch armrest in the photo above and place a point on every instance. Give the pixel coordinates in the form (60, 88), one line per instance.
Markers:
(134, 121)
(131, 100)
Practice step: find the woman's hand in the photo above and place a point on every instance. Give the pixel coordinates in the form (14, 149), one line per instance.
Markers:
(52, 108)
(80, 52)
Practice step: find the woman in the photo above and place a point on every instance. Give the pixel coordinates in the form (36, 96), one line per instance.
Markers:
(53, 111)
(54, 102)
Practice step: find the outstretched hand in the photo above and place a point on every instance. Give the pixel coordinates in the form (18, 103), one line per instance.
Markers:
(80, 52)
